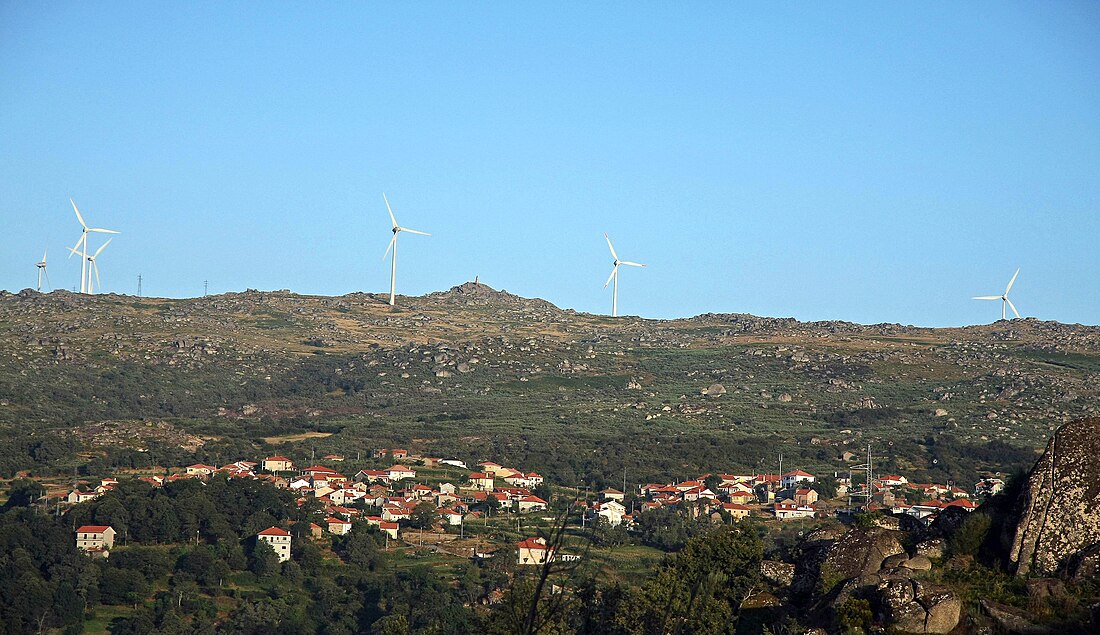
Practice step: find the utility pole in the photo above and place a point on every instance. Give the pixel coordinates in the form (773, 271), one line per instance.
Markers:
(205, 287)
(139, 285)
(867, 467)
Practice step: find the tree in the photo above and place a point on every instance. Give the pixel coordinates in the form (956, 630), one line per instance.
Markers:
(700, 589)
(23, 492)
(970, 535)
(423, 515)
(264, 560)
(825, 486)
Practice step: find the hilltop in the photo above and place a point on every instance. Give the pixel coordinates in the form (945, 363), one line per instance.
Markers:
(473, 368)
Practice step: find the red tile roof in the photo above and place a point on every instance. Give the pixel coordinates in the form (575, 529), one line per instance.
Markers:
(274, 531)
(92, 529)
(532, 543)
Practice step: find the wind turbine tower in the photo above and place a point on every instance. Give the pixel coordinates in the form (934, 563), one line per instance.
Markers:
(93, 266)
(42, 270)
(397, 229)
(614, 277)
(1005, 302)
(83, 245)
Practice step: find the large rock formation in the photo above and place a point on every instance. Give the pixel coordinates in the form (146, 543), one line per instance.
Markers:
(859, 552)
(912, 606)
(1060, 504)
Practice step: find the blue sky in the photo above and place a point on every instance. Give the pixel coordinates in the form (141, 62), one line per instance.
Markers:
(876, 162)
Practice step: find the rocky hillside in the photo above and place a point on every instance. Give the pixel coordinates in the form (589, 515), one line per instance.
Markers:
(709, 392)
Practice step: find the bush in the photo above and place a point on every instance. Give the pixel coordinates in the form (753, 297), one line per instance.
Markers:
(970, 535)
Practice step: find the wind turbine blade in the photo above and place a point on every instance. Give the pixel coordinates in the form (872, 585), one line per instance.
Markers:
(1010, 283)
(102, 247)
(1013, 307)
(73, 250)
(632, 264)
(102, 231)
(44, 254)
(95, 267)
(78, 216)
(611, 247)
(614, 270)
(988, 297)
(394, 220)
(413, 231)
(389, 246)
(47, 274)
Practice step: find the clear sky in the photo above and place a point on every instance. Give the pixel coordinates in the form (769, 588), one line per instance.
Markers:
(877, 162)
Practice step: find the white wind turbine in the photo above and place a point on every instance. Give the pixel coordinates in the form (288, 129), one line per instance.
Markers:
(1003, 297)
(615, 276)
(397, 229)
(94, 267)
(42, 270)
(83, 245)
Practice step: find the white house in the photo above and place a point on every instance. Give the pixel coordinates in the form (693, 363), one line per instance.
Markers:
(481, 481)
(532, 551)
(790, 479)
(531, 504)
(279, 539)
(400, 472)
(612, 512)
(788, 509)
(893, 480)
(277, 464)
(77, 496)
(95, 540)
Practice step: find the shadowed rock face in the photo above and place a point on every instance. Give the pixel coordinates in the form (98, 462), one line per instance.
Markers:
(1060, 504)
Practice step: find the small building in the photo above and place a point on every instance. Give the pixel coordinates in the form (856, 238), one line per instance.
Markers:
(338, 526)
(791, 479)
(612, 512)
(532, 551)
(531, 503)
(481, 481)
(805, 496)
(389, 528)
(611, 494)
(315, 531)
(737, 511)
(400, 472)
(77, 496)
(788, 510)
(893, 480)
(279, 539)
(199, 469)
(95, 540)
(277, 464)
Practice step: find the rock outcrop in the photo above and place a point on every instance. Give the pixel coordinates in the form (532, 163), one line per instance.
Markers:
(778, 573)
(859, 552)
(1060, 504)
(911, 606)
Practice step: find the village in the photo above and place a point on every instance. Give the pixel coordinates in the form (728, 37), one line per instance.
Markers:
(432, 503)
